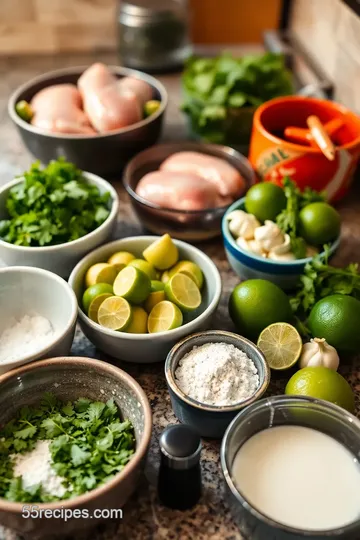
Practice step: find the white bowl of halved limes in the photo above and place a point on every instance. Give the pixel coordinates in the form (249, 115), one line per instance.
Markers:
(139, 296)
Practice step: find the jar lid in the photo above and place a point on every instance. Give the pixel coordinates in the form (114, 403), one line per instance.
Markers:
(180, 444)
(148, 8)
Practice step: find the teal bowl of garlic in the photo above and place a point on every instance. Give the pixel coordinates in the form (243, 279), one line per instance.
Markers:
(256, 251)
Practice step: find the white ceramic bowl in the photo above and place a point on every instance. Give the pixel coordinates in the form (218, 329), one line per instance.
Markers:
(25, 290)
(146, 348)
(62, 257)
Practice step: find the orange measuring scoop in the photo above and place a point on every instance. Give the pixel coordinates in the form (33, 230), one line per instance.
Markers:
(303, 135)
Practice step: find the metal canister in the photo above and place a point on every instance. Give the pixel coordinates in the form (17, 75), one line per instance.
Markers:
(154, 34)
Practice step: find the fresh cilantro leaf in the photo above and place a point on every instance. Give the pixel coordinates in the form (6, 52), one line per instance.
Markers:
(79, 456)
(25, 433)
(95, 410)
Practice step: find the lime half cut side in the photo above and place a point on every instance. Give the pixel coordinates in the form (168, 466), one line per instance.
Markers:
(281, 344)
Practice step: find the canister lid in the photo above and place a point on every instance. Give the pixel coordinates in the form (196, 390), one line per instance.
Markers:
(148, 8)
(180, 444)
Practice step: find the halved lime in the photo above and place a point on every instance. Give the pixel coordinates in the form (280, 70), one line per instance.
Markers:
(182, 291)
(92, 292)
(115, 313)
(139, 321)
(120, 259)
(163, 317)
(132, 284)
(100, 273)
(153, 299)
(157, 285)
(162, 253)
(191, 270)
(281, 344)
(145, 267)
(95, 304)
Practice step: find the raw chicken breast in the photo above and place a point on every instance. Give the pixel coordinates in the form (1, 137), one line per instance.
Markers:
(106, 103)
(58, 109)
(177, 190)
(141, 89)
(227, 180)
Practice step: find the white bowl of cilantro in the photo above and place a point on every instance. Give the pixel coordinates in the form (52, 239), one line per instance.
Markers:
(51, 216)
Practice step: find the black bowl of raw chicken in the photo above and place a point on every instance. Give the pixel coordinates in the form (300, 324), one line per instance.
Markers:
(184, 189)
(95, 119)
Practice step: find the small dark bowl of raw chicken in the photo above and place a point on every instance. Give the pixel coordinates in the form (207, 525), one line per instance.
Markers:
(184, 189)
(89, 145)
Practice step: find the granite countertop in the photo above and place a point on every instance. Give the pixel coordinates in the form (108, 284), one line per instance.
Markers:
(144, 517)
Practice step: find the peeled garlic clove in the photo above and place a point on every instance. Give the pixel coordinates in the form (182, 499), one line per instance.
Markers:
(269, 235)
(243, 224)
(283, 248)
(319, 353)
(289, 256)
(236, 214)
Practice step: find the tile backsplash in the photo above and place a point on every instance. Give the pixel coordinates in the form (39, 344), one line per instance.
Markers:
(329, 30)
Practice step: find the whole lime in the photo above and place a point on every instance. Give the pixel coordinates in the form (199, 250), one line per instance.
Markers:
(336, 318)
(322, 383)
(257, 303)
(319, 223)
(265, 200)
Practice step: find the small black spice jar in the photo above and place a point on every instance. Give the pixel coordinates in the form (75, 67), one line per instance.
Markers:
(179, 484)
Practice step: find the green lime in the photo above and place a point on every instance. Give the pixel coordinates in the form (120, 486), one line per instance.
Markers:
(120, 259)
(157, 285)
(153, 299)
(115, 313)
(322, 383)
(336, 319)
(163, 317)
(257, 303)
(151, 107)
(183, 291)
(100, 273)
(265, 201)
(144, 266)
(139, 320)
(93, 311)
(190, 269)
(162, 254)
(132, 284)
(319, 223)
(281, 344)
(24, 110)
(92, 292)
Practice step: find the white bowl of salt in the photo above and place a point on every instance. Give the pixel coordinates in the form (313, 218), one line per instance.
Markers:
(38, 312)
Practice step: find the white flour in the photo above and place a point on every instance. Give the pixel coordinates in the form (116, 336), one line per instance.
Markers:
(35, 468)
(24, 337)
(217, 374)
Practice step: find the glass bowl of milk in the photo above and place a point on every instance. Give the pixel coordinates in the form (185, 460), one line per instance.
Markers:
(292, 471)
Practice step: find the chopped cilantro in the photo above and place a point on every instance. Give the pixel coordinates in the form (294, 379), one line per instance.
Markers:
(53, 206)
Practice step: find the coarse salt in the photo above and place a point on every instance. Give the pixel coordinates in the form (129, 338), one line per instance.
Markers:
(217, 374)
(25, 336)
(35, 467)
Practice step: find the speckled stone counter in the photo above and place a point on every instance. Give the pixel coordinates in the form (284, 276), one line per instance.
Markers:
(144, 517)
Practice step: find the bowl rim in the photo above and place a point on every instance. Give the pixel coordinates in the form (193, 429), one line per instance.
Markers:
(69, 325)
(236, 340)
(117, 70)
(271, 401)
(148, 337)
(229, 238)
(140, 450)
(193, 146)
(98, 181)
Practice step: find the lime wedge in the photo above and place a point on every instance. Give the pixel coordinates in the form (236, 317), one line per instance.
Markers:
(162, 253)
(153, 299)
(151, 107)
(157, 285)
(95, 304)
(182, 291)
(163, 317)
(120, 259)
(132, 284)
(115, 313)
(281, 344)
(139, 321)
(145, 267)
(191, 270)
(100, 273)
(92, 292)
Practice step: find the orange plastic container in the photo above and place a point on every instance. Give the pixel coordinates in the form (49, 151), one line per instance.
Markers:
(273, 157)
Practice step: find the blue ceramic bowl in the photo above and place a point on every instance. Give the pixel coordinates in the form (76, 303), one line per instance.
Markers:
(248, 265)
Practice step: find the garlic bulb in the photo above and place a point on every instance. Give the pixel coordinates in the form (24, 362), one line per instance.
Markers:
(319, 353)
(269, 235)
(242, 224)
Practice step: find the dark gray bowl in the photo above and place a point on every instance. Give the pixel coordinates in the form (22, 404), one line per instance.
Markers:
(209, 420)
(104, 154)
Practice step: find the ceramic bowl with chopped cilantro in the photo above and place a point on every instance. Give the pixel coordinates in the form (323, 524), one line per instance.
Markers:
(51, 216)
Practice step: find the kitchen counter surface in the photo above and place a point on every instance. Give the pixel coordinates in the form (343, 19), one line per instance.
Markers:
(144, 517)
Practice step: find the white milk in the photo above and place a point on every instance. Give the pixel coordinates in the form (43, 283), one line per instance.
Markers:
(299, 477)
